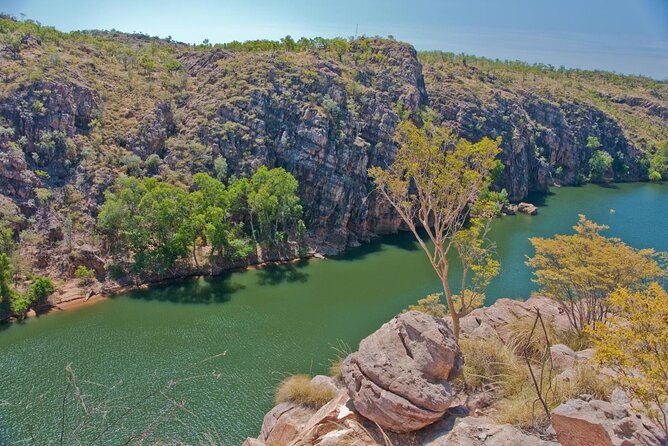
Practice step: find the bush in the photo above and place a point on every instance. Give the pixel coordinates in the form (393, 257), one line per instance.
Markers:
(85, 275)
(654, 176)
(430, 305)
(599, 164)
(299, 389)
(41, 288)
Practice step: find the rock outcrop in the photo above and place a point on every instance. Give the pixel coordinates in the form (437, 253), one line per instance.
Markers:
(587, 423)
(495, 321)
(400, 376)
(482, 431)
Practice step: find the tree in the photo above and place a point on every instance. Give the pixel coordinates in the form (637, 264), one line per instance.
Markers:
(580, 271)
(593, 143)
(7, 293)
(433, 182)
(274, 203)
(599, 164)
(634, 343)
(220, 168)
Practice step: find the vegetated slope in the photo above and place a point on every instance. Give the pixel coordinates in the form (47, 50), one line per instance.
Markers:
(547, 115)
(79, 109)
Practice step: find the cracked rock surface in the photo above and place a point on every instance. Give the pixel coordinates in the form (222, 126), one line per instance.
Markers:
(400, 376)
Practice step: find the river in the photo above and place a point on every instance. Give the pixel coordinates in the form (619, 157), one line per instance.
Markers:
(210, 351)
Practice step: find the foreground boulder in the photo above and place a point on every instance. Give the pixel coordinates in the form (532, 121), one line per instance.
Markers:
(587, 423)
(400, 377)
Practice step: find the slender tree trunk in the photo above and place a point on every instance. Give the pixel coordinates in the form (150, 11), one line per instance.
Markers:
(451, 305)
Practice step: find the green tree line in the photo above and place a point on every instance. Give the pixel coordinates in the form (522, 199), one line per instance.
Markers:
(151, 224)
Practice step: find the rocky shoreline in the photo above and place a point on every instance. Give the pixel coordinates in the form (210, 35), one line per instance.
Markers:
(71, 294)
(400, 389)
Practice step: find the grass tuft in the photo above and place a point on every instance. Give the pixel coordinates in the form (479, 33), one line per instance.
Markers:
(299, 389)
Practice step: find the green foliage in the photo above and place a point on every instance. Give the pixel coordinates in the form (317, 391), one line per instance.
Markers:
(658, 163)
(43, 195)
(273, 203)
(41, 288)
(593, 143)
(435, 187)
(599, 164)
(220, 168)
(84, 274)
(430, 305)
(634, 344)
(152, 163)
(6, 272)
(153, 223)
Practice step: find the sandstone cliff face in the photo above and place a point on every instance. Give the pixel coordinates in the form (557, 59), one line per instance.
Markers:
(544, 139)
(326, 125)
(324, 117)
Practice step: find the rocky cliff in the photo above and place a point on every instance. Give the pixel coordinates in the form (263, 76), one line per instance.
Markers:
(79, 109)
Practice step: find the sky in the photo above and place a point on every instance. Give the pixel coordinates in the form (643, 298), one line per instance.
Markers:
(626, 36)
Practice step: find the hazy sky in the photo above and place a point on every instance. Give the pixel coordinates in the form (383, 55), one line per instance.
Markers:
(628, 36)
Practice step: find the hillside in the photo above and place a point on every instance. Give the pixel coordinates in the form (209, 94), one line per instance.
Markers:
(79, 109)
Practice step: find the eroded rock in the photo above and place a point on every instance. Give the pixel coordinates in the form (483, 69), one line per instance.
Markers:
(400, 377)
(588, 423)
(527, 208)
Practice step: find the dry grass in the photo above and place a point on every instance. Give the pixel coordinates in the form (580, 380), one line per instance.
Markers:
(492, 365)
(299, 389)
(522, 340)
(341, 351)
(523, 408)
(574, 340)
(489, 364)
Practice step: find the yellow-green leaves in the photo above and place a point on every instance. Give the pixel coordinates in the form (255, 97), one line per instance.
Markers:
(434, 181)
(634, 343)
(583, 269)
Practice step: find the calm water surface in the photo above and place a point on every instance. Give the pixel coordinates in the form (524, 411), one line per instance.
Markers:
(229, 340)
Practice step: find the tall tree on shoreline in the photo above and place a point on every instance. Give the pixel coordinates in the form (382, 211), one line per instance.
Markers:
(434, 183)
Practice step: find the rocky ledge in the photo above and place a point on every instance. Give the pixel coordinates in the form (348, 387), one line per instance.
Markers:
(398, 389)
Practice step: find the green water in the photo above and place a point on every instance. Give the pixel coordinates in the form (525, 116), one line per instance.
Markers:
(268, 323)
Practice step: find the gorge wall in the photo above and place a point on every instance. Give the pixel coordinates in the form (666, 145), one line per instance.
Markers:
(76, 111)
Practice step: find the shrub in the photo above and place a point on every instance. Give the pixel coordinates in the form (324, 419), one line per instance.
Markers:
(599, 164)
(85, 275)
(581, 270)
(430, 305)
(523, 409)
(636, 339)
(299, 389)
(654, 176)
(152, 163)
(220, 168)
(41, 288)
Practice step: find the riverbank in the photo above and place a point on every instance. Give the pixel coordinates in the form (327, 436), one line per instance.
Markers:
(71, 295)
